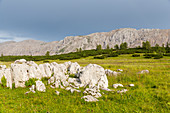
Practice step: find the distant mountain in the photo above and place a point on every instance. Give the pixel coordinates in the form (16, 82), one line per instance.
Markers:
(133, 37)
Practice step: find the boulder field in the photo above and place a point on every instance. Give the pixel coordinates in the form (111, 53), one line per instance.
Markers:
(91, 77)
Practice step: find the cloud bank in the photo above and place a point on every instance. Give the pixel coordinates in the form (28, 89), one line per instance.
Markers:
(5, 36)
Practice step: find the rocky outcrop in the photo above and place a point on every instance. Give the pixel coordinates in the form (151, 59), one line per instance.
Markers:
(91, 77)
(133, 37)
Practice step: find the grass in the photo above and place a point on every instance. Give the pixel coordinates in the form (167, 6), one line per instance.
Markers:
(150, 94)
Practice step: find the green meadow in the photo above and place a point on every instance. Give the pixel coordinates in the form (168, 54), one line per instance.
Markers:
(151, 93)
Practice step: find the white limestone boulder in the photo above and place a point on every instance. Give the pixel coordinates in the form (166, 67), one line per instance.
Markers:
(6, 72)
(20, 74)
(93, 75)
(34, 71)
(40, 86)
(73, 68)
(2, 71)
(20, 61)
(8, 77)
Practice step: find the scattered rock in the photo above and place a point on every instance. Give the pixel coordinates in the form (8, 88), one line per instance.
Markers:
(117, 85)
(40, 86)
(106, 89)
(89, 98)
(131, 85)
(120, 70)
(143, 72)
(122, 91)
(72, 89)
(111, 73)
(92, 76)
(32, 89)
(52, 86)
(57, 92)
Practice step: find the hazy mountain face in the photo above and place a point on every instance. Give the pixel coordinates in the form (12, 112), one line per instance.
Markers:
(133, 37)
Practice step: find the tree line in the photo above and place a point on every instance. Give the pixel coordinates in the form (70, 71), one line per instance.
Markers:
(100, 53)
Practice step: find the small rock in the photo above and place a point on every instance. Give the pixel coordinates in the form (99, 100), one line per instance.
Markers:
(131, 85)
(52, 86)
(32, 88)
(117, 85)
(122, 91)
(57, 92)
(120, 70)
(111, 73)
(106, 89)
(27, 92)
(89, 98)
(143, 72)
(40, 86)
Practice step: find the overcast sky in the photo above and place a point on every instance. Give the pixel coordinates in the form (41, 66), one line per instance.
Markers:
(51, 20)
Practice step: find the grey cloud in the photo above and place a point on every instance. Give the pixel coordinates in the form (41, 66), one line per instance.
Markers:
(54, 19)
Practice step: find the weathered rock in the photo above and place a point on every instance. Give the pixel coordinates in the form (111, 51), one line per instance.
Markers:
(60, 67)
(122, 91)
(72, 89)
(106, 89)
(117, 85)
(94, 91)
(32, 89)
(111, 73)
(2, 67)
(89, 98)
(52, 86)
(40, 86)
(34, 71)
(74, 68)
(93, 75)
(19, 74)
(57, 92)
(2, 71)
(6, 72)
(131, 85)
(75, 81)
(8, 77)
(143, 72)
(67, 64)
(120, 70)
(51, 80)
(58, 84)
(21, 61)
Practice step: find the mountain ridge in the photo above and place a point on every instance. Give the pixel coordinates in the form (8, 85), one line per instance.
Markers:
(132, 36)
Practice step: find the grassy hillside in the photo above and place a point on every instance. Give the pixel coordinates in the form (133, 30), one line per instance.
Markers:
(150, 94)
